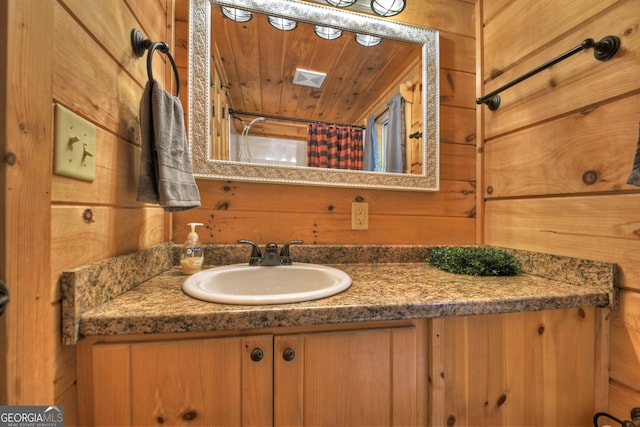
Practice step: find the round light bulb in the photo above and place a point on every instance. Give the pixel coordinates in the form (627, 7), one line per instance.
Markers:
(282, 23)
(237, 15)
(367, 40)
(388, 7)
(327, 33)
(341, 3)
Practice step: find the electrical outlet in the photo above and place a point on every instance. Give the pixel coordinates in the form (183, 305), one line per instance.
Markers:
(359, 216)
(74, 145)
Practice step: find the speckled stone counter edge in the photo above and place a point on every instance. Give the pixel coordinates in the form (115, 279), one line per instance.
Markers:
(92, 285)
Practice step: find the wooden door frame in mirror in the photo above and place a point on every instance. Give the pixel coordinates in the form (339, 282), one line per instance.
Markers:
(199, 99)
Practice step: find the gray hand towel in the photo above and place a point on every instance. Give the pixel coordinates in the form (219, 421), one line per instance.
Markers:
(166, 173)
(634, 177)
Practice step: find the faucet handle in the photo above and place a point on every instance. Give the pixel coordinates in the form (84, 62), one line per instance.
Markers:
(256, 255)
(285, 256)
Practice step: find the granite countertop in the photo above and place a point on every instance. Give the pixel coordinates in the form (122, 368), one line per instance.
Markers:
(121, 297)
(378, 292)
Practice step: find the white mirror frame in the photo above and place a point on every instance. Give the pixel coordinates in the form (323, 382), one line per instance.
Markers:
(199, 99)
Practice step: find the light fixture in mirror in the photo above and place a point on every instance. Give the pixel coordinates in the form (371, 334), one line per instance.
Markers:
(237, 15)
(282, 23)
(341, 3)
(384, 8)
(368, 40)
(426, 103)
(387, 7)
(327, 33)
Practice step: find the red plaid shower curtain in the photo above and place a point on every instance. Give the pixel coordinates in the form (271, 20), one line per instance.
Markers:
(330, 146)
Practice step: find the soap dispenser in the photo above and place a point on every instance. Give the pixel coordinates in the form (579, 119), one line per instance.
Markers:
(192, 254)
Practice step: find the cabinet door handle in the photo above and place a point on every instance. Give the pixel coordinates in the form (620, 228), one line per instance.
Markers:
(257, 354)
(288, 354)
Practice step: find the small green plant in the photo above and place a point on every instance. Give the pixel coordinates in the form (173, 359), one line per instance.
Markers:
(474, 261)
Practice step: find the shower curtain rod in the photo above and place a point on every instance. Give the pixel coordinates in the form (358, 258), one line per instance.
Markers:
(291, 119)
(602, 51)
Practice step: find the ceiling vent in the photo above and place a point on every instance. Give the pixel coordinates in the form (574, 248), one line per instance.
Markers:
(308, 78)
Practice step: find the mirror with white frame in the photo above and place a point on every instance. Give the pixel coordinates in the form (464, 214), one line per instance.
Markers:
(425, 178)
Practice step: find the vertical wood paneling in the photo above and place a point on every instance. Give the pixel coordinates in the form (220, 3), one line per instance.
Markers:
(625, 341)
(288, 391)
(366, 377)
(199, 379)
(556, 174)
(404, 378)
(514, 369)
(257, 382)
(4, 244)
(111, 383)
(26, 334)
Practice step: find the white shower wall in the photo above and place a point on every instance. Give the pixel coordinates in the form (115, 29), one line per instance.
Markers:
(274, 151)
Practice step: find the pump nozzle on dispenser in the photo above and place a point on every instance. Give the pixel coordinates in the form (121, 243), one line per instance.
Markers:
(192, 255)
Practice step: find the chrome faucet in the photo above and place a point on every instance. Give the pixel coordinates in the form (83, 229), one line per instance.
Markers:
(271, 256)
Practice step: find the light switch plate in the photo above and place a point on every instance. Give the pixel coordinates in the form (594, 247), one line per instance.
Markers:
(74, 145)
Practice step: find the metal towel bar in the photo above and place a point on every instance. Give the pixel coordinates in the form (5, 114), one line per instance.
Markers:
(602, 51)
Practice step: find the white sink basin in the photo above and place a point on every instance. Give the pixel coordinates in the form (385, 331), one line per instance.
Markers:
(252, 285)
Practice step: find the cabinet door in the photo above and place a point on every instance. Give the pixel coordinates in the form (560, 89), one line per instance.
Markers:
(536, 368)
(196, 382)
(347, 378)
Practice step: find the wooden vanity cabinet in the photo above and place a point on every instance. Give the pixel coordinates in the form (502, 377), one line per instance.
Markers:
(539, 368)
(207, 381)
(370, 375)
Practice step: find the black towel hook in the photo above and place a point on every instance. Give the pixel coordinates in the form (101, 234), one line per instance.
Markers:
(140, 44)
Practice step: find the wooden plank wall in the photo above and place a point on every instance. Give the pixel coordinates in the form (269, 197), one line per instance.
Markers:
(558, 152)
(25, 327)
(94, 73)
(272, 212)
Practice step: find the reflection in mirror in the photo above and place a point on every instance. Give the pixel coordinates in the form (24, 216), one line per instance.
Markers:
(266, 128)
(283, 90)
